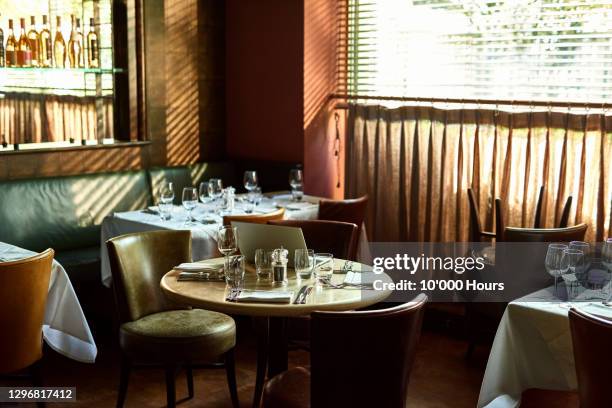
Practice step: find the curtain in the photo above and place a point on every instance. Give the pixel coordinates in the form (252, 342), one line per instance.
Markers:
(27, 118)
(416, 164)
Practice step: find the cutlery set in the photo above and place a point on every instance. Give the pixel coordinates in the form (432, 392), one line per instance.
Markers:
(302, 295)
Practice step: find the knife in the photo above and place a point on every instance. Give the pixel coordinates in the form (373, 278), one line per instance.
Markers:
(298, 297)
(305, 295)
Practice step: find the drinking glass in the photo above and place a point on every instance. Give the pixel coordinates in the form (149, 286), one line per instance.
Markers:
(166, 193)
(585, 247)
(250, 180)
(165, 211)
(255, 196)
(303, 262)
(190, 199)
(572, 263)
(204, 193)
(606, 254)
(323, 267)
(296, 181)
(227, 240)
(263, 263)
(234, 271)
(215, 188)
(553, 261)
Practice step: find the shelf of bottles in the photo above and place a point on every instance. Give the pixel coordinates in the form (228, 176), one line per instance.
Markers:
(56, 51)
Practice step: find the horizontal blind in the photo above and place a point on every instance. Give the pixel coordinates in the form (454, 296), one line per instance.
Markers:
(533, 50)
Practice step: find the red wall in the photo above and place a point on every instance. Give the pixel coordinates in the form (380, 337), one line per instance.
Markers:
(264, 79)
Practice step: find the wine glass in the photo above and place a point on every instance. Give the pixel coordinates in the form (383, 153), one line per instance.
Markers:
(572, 262)
(585, 247)
(296, 181)
(215, 188)
(190, 199)
(166, 194)
(553, 261)
(227, 240)
(250, 180)
(606, 254)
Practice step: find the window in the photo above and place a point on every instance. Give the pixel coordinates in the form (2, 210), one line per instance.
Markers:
(530, 50)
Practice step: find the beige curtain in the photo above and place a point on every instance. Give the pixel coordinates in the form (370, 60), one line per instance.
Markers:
(27, 118)
(416, 164)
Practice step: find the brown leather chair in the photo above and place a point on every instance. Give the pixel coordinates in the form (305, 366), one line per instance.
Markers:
(351, 210)
(255, 218)
(338, 238)
(154, 331)
(563, 221)
(575, 233)
(591, 338)
(24, 285)
(358, 359)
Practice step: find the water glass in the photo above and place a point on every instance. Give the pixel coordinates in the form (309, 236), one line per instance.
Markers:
(190, 199)
(572, 263)
(303, 263)
(255, 196)
(234, 271)
(585, 247)
(263, 263)
(165, 211)
(553, 261)
(323, 266)
(296, 181)
(215, 188)
(250, 180)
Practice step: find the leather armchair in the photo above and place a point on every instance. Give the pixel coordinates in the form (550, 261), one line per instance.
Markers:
(154, 331)
(359, 359)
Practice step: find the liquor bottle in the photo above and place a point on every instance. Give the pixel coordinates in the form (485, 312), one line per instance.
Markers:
(59, 46)
(93, 55)
(74, 46)
(1, 47)
(45, 54)
(79, 34)
(34, 40)
(24, 52)
(11, 47)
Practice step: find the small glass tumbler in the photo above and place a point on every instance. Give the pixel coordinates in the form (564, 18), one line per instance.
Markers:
(234, 271)
(323, 267)
(263, 263)
(165, 211)
(303, 262)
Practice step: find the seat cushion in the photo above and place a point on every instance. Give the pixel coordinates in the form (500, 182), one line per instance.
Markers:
(193, 335)
(289, 389)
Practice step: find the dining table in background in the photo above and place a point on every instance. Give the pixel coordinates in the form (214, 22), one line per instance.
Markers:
(65, 328)
(533, 349)
(271, 318)
(204, 230)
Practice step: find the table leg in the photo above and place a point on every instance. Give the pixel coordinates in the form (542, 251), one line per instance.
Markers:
(277, 351)
(261, 326)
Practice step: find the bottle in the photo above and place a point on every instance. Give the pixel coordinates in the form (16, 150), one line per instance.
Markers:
(11, 47)
(93, 54)
(59, 46)
(24, 53)
(1, 47)
(74, 46)
(45, 53)
(34, 41)
(79, 33)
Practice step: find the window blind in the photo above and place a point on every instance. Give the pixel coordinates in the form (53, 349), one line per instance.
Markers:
(530, 50)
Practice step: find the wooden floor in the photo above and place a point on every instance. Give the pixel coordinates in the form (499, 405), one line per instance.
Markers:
(440, 377)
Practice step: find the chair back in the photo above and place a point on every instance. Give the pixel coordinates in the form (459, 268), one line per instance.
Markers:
(537, 219)
(591, 338)
(564, 220)
(575, 233)
(24, 285)
(499, 220)
(138, 262)
(351, 210)
(338, 238)
(475, 225)
(255, 218)
(364, 358)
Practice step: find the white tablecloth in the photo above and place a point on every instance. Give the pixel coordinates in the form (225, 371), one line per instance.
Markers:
(204, 238)
(532, 349)
(65, 328)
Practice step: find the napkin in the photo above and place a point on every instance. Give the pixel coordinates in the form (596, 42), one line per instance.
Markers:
(360, 278)
(198, 267)
(300, 205)
(261, 296)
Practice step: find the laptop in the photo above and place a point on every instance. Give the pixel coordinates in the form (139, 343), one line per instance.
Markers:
(253, 236)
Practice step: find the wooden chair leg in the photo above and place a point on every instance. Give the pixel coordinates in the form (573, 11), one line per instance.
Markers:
(170, 386)
(230, 370)
(124, 377)
(189, 372)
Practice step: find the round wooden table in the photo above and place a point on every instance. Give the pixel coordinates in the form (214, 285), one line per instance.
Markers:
(271, 318)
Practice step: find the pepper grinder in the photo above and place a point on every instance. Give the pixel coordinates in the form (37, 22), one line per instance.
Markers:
(279, 266)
